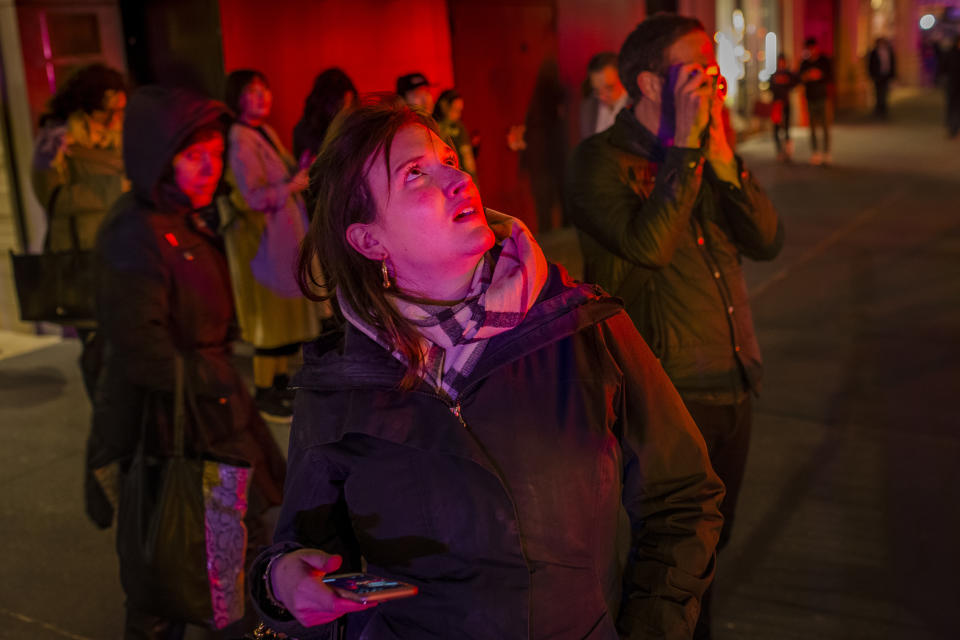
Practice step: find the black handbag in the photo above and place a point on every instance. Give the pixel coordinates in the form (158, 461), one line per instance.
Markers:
(56, 286)
(181, 538)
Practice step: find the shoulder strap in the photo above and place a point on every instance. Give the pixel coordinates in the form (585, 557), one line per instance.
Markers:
(179, 407)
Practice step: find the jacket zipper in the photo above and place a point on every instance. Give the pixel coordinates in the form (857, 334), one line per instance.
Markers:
(457, 410)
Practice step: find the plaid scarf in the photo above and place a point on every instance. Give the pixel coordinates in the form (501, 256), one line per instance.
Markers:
(505, 285)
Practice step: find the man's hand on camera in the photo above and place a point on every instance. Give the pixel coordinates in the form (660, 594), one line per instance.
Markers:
(718, 151)
(692, 97)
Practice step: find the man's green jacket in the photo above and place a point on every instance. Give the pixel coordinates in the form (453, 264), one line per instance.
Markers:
(660, 230)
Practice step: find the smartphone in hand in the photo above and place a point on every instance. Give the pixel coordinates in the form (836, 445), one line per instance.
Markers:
(366, 588)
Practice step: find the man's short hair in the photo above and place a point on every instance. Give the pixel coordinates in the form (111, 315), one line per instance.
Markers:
(645, 49)
(601, 61)
(810, 42)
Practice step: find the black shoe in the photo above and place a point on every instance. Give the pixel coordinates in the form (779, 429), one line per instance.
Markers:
(281, 381)
(273, 405)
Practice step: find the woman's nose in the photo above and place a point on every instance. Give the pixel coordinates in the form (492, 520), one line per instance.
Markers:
(458, 180)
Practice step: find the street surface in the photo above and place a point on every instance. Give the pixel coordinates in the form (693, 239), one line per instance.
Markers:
(849, 521)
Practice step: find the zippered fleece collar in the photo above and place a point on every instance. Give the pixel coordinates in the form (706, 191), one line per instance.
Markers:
(629, 135)
(351, 360)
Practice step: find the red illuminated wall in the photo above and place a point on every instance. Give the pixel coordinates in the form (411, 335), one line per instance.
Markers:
(374, 41)
(818, 20)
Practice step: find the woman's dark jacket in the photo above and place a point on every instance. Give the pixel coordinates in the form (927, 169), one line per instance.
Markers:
(661, 231)
(163, 288)
(575, 498)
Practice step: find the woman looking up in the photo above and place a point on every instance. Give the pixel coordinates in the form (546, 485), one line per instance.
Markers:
(263, 227)
(484, 428)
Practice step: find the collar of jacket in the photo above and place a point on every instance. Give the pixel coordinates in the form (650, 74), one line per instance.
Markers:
(351, 360)
(628, 134)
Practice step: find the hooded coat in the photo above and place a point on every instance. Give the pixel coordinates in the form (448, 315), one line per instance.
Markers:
(163, 288)
(567, 493)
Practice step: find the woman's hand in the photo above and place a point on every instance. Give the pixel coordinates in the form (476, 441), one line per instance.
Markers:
(296, 580)
(300, 181)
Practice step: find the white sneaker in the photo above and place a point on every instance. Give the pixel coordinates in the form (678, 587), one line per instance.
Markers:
(816, 159)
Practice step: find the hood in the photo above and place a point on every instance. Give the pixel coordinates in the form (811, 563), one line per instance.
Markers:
(158, 120)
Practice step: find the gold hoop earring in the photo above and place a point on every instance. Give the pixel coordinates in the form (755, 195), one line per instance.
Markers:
(386, 274)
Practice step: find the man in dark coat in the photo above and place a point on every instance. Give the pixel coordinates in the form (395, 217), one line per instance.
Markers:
(665, 214)
(882, 66)
(163, 290)
(606, 96)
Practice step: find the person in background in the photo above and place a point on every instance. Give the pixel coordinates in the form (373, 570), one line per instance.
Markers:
(816, 74)
(484, 428)
(77, 172)
(882, 66)
(666, 213)
(782, 83)
(265, 223)
(332, 93)
(543, 156)
(448, 113)
(414, 88)
(605, 95)
(163, 290)
(951, 85)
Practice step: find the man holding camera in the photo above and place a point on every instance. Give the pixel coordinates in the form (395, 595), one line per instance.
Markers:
(665, 212)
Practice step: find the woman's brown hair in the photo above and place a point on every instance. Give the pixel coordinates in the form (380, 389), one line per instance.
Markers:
(339, 196)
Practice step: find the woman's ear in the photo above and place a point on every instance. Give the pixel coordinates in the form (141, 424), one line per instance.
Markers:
(362, 237)
(650, 85)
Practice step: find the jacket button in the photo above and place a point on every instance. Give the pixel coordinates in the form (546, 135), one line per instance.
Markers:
(716, 274)
(730, 309)
(737, 348)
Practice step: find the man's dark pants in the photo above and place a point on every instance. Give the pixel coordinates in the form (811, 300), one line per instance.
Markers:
(726, 430)
(819, 118)
(781, 130)
(881, 88)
